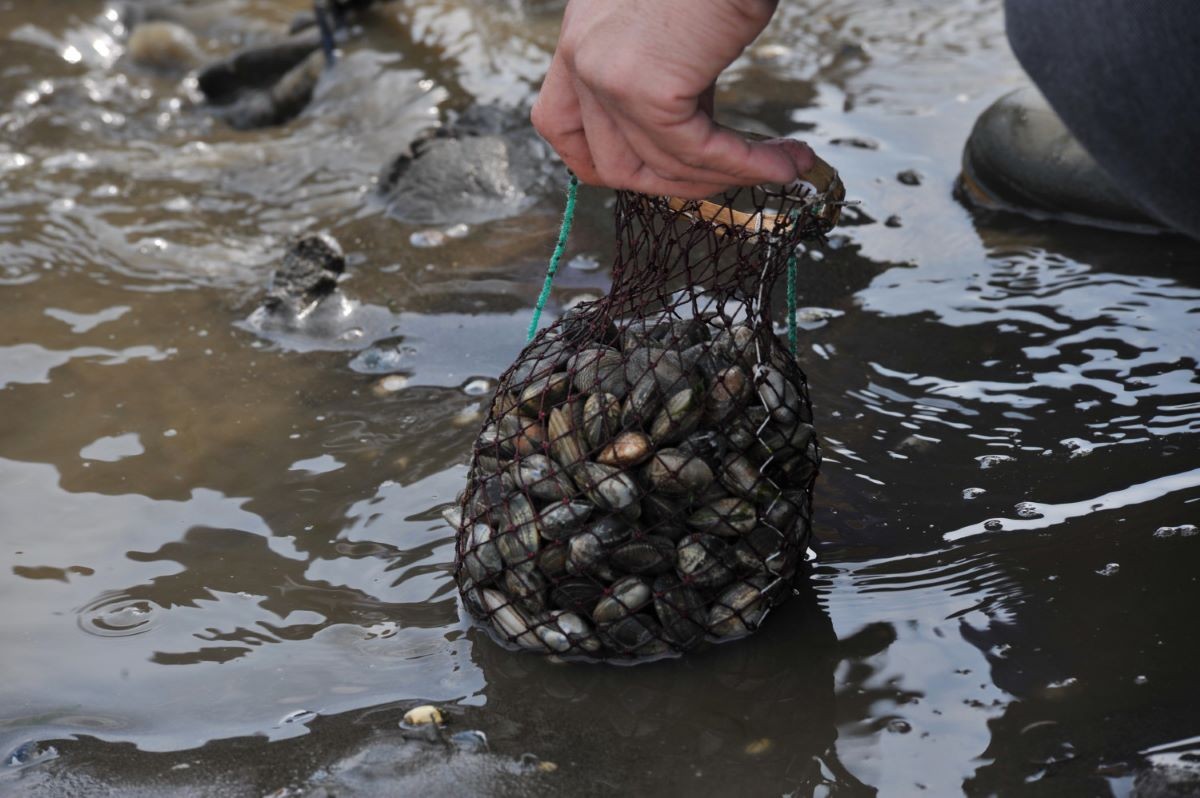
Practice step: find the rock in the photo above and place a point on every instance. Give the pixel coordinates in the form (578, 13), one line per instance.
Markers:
(309, 272)
(163, 46)
(909, 177)
(255, 67)
(483, 166)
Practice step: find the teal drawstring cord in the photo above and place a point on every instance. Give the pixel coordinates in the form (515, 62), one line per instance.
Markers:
(552, 269)
(791, 300)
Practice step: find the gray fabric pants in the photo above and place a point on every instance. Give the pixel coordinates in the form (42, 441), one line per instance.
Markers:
(1124, 76)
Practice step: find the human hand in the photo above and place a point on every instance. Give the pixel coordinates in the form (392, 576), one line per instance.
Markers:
(627, 102)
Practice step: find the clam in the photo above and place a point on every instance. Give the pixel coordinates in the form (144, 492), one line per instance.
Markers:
(728, 391)
(559, 521)
(610, 488)
(564, 442)
(601, 419)
(509, 620)
(539, 359)
(520, 435)
(538, 476)
(636, 635)
(573, 630)
(741, 478)
(702, 561)
(739, 609)
(762, 550)
(679, 416)
(628, 595)
(598, 369)
(482, 559)
(626, 450)
(777, 394)
(544, 393)
(676, 473)
(577, 595)
(681, 611)
(552, 560)
(728, 517)
(641, 403)
(528, 587)
(650, 554)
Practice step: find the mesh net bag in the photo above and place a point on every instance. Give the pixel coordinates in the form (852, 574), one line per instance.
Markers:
(643, 481)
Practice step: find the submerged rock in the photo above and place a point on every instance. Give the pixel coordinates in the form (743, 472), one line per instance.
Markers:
(487, 164)
(309, 273)
(163, 46)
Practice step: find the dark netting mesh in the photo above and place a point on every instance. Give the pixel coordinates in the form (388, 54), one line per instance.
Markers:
(643, 481)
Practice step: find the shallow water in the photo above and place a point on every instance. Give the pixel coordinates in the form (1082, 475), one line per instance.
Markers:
(226, 571)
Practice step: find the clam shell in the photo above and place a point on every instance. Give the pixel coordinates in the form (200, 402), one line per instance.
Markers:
(538, 476)
(636, 635)
(543, 394)
(626, 450)
(739, 609)
(681, 611)
(679, 416)
(610, 488)
(560, 520)
(564, 440)
(641, 403)
(509, 620)
(729, 517)
(527, 587)
(675, 473)
(601, 419)
(628, 595)
(579, 595)
(552, 560)
(482, 559)
(702, 561)
(728, 391)
(650, 554)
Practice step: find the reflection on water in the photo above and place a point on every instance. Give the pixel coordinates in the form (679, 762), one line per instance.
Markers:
(218, 524)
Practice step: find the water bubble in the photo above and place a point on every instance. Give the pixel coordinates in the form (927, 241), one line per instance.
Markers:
(118, 615)
(584, 263)
(973, 493)
(1183, 531)
(993, 460)
(1110, 569)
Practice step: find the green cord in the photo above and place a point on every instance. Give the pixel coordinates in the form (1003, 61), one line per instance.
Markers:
(563, 232)
(791, 300)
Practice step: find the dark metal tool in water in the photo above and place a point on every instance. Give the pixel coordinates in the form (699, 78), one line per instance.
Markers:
(643, 481)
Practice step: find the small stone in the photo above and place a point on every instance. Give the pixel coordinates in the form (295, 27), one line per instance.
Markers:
(973, 493)
(759, 746)
(457, 231)
(426, 239)
(471, 741)
(1184, 531)
(1027, 510)
(892, 221)
(390, 384)
(423, 715)
(993, 460)
(1140, 679)
(546, 767)
(858, 142)
(477, 387)
(164, 46)
(1110, 569)
(909, 177)
(898, 726)
(993, 525)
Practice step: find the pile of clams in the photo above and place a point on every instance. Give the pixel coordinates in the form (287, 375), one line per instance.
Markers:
(639, 488)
